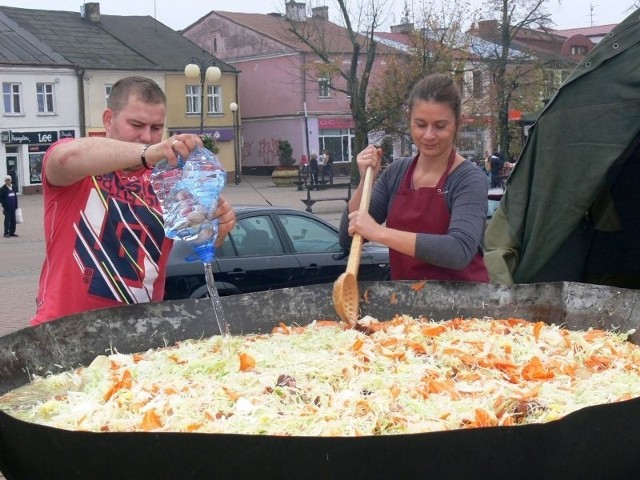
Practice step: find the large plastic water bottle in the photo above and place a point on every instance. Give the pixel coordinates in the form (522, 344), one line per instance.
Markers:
(189, 194)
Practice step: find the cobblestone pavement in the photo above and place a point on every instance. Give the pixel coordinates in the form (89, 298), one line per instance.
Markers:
(21, 257)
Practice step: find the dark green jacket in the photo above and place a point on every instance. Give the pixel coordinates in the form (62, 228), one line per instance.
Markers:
(570, 212)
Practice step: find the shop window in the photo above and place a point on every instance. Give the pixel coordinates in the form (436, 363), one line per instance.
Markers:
(35, 167)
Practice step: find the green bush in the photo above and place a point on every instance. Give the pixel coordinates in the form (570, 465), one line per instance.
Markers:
(209, 143)
(285, 154)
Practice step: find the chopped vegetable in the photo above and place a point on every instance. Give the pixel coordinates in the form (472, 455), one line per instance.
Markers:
(405, 375)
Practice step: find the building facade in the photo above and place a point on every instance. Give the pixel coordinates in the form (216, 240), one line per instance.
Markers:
(57, 69)
(287, 91)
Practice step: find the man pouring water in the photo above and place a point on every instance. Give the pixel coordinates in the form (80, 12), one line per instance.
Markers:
(105, 243)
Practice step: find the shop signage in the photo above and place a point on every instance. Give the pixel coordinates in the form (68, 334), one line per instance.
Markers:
(332, 123)
(33, 137)
(219, 134)
(5, 135)
(67, 134)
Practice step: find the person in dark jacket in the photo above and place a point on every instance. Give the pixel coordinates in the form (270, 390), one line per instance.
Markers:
(313, 169)
(496, 163)
(327, 169)
(9, 201)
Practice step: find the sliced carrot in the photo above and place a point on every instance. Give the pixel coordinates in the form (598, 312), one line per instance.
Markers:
(507, 421)
(396, 355)
(387, 342)
(415, 346)
(484, 419)
(125, 382)
(281, 328)
(177, 359)
(326, 323)
(362, 408)
(593, 334)
(394, 298)
(433, 385)
(395, 391)
(529, 393)
(357, 345)
(598, 362)
(232, 394)
(247, 362)
(151, 420)
(537, 328)
(433, 330)
(534, 370)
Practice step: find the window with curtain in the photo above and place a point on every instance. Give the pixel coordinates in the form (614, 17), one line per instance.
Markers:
(214, 99)
(45, 97)
(12, 98)
(193, 99)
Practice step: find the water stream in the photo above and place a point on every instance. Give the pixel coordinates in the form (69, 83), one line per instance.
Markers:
(218, 312)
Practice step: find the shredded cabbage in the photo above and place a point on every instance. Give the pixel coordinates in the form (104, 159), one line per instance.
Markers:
(402, 376)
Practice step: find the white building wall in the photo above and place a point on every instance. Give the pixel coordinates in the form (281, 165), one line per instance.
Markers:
(26, 135)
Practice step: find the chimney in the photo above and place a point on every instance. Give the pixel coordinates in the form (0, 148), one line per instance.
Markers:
(296, 11)
(321, 13)
(488, 26)
(91, 12)
(402, 28)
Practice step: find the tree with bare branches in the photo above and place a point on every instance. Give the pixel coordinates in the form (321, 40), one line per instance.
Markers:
(510, 68)
(434, 42)
(351, 70)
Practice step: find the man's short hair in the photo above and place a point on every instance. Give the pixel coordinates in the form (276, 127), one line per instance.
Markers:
(146, 89)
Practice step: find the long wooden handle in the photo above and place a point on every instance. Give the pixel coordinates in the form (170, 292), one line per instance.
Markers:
(355, 253)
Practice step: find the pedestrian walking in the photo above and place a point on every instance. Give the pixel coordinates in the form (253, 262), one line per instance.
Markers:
(9, 201)
(313, 170)
(327, 169)
(496, 164)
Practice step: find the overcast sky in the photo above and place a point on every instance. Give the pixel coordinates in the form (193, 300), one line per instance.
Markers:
(179, 14)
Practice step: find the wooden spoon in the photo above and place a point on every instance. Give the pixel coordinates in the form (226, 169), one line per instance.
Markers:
(346, 298)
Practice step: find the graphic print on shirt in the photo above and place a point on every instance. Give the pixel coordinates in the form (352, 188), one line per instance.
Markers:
(118, 242)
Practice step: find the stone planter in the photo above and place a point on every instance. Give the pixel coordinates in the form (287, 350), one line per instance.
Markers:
(285, 177)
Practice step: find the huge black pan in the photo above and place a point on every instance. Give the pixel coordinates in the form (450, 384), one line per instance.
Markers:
(598, 442)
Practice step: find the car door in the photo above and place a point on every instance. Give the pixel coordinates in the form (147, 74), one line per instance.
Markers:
(316, 246)
(257, 259)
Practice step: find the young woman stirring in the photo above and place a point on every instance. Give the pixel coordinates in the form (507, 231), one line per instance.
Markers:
(434, 204)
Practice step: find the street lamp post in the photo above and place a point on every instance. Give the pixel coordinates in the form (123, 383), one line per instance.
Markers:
(204, 70)
(233, 106)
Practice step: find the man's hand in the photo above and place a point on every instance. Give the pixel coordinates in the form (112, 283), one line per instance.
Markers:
(226, 217)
